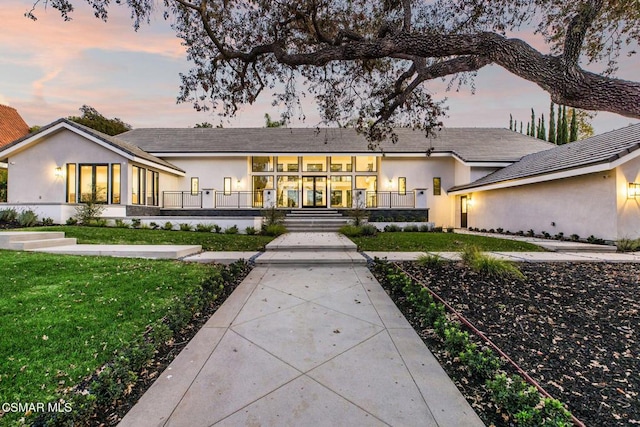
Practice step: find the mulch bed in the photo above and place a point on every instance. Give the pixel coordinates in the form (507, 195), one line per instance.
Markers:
(573, 327)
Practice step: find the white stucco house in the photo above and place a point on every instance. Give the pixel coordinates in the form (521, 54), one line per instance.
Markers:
(238, 172)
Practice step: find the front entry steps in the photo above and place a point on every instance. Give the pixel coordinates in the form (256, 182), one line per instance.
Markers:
(315, 220)
(311, 249)
(32, 240)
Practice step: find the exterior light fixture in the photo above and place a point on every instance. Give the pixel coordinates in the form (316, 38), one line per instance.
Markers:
(634, 190)
(58, 172)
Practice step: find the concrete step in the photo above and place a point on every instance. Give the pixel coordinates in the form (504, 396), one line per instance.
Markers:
(30, 245)
(301, 257)
(311, 242)
(9, 237)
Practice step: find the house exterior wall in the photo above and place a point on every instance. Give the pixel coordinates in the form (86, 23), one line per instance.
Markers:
(628, 209)
(211, 172)
(32, 176)
(584, 205)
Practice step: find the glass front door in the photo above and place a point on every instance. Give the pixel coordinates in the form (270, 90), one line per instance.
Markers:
(314, 191)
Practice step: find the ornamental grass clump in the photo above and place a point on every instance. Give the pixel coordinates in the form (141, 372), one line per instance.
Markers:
(489, 266)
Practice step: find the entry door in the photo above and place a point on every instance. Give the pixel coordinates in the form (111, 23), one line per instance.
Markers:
(463, 211)
(314, 191)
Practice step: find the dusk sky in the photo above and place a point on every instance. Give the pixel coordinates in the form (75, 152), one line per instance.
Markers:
(50, 68)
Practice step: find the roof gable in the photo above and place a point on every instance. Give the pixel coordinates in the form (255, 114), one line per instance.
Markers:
(597, 150)
(110, 142)
(12, 126)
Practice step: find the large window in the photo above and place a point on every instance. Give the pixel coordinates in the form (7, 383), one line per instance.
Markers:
(314, 164)
(288, 164)
(94, 183)
(262, 164)
(115, 183)
(341, 164)
(153, 193)
(71, 183)
(288, 191)
(341, 191)
(366, 164)
(138, 185)
(260, 183)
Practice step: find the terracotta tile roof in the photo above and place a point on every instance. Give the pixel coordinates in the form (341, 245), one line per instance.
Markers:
(12, 126)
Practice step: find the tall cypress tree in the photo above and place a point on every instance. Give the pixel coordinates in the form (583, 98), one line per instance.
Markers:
(533, 123)
(573, 129)
(542, 132)
(510, 122)
(565, 125)
(552, 125)
(520, 127)
(528, 129)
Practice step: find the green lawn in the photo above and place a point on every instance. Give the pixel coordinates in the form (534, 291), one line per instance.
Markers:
(62, 317)
(440, 242)
(209, 241)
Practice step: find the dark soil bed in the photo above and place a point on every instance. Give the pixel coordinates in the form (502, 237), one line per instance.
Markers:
(572, 326)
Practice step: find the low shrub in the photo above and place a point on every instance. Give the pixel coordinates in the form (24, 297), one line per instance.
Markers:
(71, 221)
(168, 226)
(574, 237)
(392, 228)
(500, 230)
(449, 229)
(154, 225)
(204, 228)
(185, 227)
(425, 228)
(250, 231)
(120, 223)
(99, 222)
(411, 228)
(232, 230)
(628, 245)
(274, 230)
(27, 218)
(217, 229)
(8, 215)
(135, 222)
(429, 260)
(351, 230)
(595, 240)
(531, 233)
(47, 221)
(369, 230)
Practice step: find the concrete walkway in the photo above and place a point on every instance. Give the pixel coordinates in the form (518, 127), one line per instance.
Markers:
(298, 345)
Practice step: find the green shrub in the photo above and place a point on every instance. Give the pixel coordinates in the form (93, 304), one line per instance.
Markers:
(154, 225)
(411, 228)
(168, 226)
(351, 230)
(47, 221)
(272, 216)
(425, 228)
(392, 228)
(185, 227)
(250, 231)
(204, 228)
(27, 218)
(217, 229)
(595, 240)
(480, 362)
(99, 222)
(274, 230)
(369, 230)
(231, 230)
(628, 245)
(72, 221)
(87, 213)
(8, 215)
(135, 222)
(120, 223)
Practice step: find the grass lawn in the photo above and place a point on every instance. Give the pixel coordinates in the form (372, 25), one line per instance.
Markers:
(121, 236)
(440, 242)
(62, 317)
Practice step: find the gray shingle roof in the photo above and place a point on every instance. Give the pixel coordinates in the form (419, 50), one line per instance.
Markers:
(470, 144)
(114, 141)
(604, 148)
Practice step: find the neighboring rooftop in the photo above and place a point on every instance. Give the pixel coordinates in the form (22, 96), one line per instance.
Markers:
(12, 126)
(600, 149)
(469, 144)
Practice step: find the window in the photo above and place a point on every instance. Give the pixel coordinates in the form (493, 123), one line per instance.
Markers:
(288, 164)
(314, 164)
(288, 191)
(341, 191)
(138, 185)
(153, 183)
(437, 186)
(227, 185)
(260, 183)
(365, 164)
(195, 186)
(93, 185)
(261, 164)
(115, 183)
(71, 183)
(402, 185)
(341, 164)
(368, 183)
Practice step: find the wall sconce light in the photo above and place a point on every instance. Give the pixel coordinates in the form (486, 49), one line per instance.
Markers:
(58, 172)
(634, 190)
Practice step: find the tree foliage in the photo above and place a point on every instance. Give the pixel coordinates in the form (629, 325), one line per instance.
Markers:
(375, 58)
(93, 119)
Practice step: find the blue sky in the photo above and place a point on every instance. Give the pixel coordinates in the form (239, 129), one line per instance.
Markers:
(50, 68)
